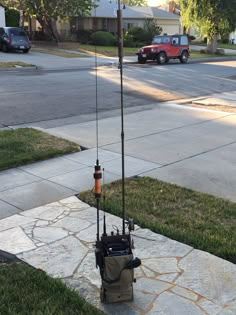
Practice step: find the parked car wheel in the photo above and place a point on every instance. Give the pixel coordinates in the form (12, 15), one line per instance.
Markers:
(4, 48)
(141, 60)
(25, 51)
(184, 57)
(161, 58)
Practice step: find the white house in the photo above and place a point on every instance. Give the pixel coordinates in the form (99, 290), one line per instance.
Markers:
(2, 16)
(103, 17)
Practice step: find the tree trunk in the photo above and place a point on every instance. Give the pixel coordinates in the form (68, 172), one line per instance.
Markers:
(212, 44)
(52, 28)
(49, 26)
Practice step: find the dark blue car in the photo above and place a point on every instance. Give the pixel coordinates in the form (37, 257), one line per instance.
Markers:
(14, 38)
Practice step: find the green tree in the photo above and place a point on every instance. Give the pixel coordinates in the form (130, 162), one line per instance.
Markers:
(151, 29)
(135, 2)
(211, 18)
(49, 12)
(12, 17)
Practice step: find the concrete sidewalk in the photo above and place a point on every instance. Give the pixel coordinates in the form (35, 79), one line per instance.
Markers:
(191, 147)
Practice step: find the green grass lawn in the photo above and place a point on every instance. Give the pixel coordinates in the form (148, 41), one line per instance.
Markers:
(27, 291)
(227, 46)
(194, 218)
(196, 54)
(27, 145)
(109, 51)
(112, 51)
(220, 45)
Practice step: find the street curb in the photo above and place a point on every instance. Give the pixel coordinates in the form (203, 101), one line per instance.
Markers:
(12, 69)
(113, 64)
(197, 60)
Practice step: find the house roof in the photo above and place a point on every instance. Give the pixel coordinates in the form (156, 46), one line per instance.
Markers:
(108, 9)
(1, 5)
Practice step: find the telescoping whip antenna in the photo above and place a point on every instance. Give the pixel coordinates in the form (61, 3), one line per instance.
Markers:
(120, 53)
(97, 167)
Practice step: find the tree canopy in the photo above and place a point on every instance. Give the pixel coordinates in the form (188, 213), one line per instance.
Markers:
(211, 18)
(47, 12)
(135, 2)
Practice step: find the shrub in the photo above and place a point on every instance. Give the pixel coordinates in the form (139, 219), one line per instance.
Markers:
(220, 51)
(151, 29)
(12, 17)
(138, 36)
(128, 40)
(225, 41)
(84, 36)
(138, 33)
(102, 38)
(191, 37)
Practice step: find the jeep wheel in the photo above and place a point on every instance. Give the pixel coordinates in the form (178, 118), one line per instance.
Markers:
(184, 57)
(141, 60)
(161, 58)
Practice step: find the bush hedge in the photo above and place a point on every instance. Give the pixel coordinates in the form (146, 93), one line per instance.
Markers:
(12, 17)
(102, 38)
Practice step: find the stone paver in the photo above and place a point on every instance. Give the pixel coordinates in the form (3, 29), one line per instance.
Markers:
(15, 241)
(199, 267)
(174, 278)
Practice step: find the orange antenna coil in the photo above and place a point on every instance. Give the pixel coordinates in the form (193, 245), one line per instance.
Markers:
(98, 180)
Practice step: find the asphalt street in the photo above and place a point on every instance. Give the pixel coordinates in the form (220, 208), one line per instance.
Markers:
(49, 94)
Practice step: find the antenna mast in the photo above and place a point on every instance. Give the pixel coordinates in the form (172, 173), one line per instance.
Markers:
(114, 252)
(120, 54)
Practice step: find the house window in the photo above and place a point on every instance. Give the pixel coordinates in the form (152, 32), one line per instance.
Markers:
(95, 23)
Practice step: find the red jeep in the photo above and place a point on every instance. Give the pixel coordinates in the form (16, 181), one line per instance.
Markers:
(164, 48)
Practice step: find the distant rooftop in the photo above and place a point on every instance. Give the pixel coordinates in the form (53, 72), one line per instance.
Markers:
(108, 8)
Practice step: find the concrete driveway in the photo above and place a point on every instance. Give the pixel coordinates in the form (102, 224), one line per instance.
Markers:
(48, 61)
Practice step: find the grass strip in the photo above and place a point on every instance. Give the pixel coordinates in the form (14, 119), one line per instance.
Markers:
(220, 45)
(109, 51)
(197, 54)
(112, 51)
(14, 64)
(200, 220)
(28, 291)
(27, 145)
